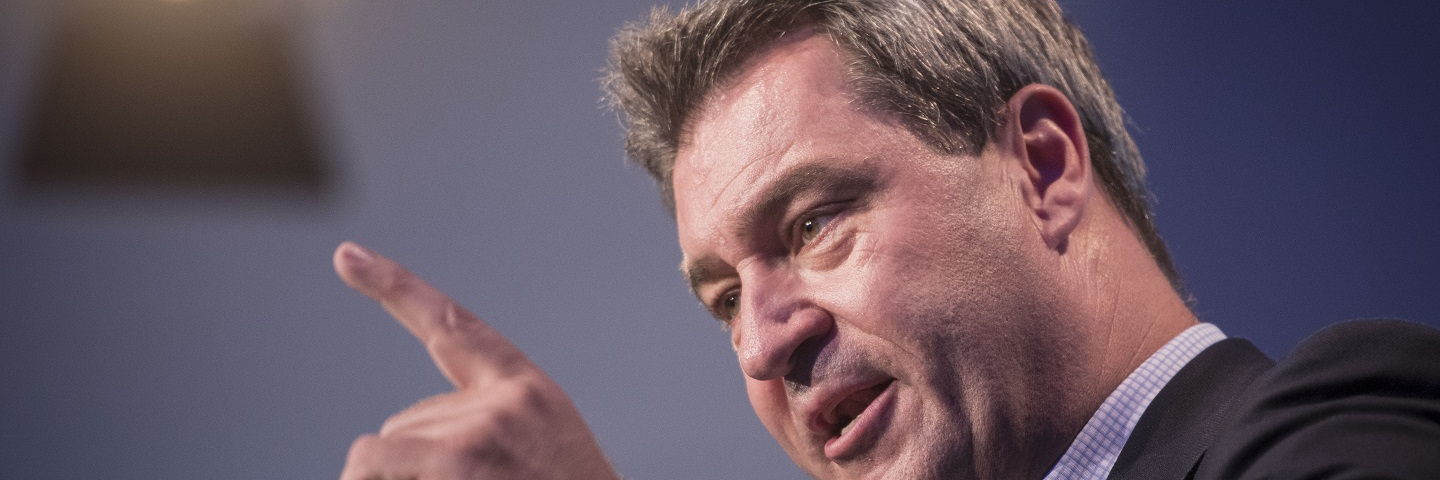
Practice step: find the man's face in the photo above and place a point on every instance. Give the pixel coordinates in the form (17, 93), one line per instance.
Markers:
(881, 297)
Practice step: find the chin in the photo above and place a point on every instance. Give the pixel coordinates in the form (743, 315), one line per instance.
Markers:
(930, 452)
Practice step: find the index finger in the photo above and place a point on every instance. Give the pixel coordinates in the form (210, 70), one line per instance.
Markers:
(465, 349)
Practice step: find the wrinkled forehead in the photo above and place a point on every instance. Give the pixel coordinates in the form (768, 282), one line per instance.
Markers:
(788, 105)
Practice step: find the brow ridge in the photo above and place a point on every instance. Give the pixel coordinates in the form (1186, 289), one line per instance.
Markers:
(772, 202)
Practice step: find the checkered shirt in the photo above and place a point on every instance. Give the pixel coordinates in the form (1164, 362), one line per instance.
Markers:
(1093, 453)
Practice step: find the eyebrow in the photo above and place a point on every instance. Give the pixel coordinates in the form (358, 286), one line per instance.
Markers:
(773, 200)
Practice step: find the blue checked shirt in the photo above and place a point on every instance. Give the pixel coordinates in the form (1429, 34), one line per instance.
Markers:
(1093, 453)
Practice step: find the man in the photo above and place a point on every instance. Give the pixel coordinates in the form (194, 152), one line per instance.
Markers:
(926, 228)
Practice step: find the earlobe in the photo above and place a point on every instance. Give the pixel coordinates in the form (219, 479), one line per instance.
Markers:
(1049, 143)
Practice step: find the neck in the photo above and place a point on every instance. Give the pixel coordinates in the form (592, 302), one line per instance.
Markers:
(1128, 308)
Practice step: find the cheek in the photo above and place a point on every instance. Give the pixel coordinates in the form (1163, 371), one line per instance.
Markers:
(770, 404)
(924, 276)
(855, 290)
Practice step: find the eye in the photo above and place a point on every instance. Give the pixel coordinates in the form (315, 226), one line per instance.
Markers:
(811, 227)
(726, 308)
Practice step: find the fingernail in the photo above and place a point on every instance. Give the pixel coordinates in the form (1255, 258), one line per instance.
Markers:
(357, 254)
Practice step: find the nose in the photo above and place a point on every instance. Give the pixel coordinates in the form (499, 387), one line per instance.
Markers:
(777, 321)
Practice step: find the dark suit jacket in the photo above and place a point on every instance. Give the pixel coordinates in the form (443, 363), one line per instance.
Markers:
(1356, 400)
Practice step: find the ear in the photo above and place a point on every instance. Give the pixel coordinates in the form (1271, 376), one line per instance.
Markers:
(1047, 140)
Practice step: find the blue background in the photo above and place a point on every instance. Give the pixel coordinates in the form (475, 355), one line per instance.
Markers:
(193, 333)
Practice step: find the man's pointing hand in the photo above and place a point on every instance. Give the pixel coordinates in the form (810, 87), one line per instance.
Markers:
(506, 418)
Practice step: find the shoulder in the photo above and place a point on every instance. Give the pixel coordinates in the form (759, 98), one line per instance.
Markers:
(1379, 342)
(1356, 399)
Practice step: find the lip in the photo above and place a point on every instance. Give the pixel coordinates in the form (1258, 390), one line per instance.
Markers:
(863, 430)
(818, 411)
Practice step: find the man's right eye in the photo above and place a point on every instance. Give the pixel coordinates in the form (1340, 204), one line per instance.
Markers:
(727, 306)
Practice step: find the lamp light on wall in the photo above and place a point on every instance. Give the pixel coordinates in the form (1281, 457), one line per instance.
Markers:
(159, 92)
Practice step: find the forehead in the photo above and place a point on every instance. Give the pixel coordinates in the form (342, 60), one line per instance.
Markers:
(789, 108)
(763, 107)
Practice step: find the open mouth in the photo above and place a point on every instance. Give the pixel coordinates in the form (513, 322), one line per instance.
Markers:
(843, 416)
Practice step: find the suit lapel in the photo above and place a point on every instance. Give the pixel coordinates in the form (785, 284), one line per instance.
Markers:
(1185, 417)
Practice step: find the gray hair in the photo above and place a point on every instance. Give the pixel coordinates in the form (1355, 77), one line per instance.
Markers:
(944, 67)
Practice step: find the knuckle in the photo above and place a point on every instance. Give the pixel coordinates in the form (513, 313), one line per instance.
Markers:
(524, 394)
(391, 425)
(534, 395)
(490, 450)
(454, 318)
(402, 282)
(471, 459)
(363, 446)
(408, 415)
(491, 428)
(452, 322)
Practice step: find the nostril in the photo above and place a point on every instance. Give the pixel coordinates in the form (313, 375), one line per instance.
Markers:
(801, 364)
(788, 350)
(778, 332)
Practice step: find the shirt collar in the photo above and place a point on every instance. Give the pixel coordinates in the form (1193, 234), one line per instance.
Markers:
(1093, 453)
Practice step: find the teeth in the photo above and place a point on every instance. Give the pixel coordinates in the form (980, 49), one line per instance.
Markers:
(844, 414)
(848, 425)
